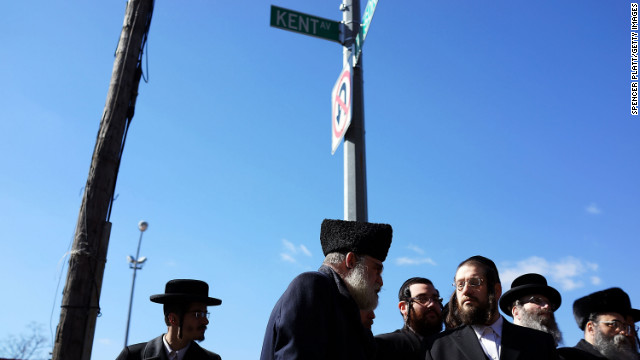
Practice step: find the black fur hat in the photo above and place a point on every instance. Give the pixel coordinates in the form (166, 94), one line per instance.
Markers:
(362, 238)
(609, 300)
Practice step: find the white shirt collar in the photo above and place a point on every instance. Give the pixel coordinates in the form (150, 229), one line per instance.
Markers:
(496, 326)
(168, 348)
(490, 341)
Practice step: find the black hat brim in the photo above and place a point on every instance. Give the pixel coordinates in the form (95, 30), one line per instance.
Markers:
(184, 298)
(509, 297)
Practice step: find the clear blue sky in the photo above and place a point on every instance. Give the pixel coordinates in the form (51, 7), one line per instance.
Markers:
(497, 128)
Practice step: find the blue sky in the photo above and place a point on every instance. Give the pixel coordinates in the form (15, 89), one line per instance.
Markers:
(500, 129)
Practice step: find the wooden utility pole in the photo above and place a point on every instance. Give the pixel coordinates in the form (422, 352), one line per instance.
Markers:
(81, 296)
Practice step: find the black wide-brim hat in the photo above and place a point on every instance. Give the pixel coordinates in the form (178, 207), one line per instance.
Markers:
(362, 238)
(185, 291)
(609, 300)
(529, 284)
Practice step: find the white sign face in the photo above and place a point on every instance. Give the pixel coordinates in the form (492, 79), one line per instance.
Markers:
(340, 108)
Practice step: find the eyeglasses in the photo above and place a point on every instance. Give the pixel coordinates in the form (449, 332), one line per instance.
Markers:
(471, 282)
(540, 302)
(424, 299)
(616, 325)
(200, 314)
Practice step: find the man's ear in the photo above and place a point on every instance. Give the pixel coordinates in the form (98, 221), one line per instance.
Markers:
(590, 332)
(351, 260)
(515, 311)
(498, 289)
(404, 308)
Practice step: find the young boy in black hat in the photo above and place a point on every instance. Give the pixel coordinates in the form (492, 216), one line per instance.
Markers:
(185, 313)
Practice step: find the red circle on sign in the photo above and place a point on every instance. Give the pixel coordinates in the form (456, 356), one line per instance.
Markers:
(341, 108)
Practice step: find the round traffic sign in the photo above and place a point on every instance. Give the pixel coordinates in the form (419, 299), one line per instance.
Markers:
(341, 105)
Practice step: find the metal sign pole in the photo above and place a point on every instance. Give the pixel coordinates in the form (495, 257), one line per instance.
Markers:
(355, 171)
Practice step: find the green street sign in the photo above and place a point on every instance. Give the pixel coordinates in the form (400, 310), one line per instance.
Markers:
(364, 28)
(305, 24)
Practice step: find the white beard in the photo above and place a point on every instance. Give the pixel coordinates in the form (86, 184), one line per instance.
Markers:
(616, 347)
(538, 322)
(365, 295)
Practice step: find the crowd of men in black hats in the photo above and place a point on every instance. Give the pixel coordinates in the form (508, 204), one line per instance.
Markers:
(327, 314)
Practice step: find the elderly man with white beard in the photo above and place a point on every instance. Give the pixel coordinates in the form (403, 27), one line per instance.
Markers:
(532, 303)
(318, 316)
(601, 316)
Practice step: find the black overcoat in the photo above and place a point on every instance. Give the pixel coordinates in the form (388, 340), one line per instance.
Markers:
(518, 343)
(316, 318)
(155, 350)
(582, 351)
(402, 344)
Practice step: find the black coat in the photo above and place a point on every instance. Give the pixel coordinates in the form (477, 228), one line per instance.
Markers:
(316, 318)
(155, 350)
(518, 343)
(401, 344)
(582, 351)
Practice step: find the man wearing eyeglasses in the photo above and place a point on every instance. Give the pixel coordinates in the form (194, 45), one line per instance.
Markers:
(601, 315)
(318, 316)
(476, 329)
(185, 304)
(420, 305)
(532, 303)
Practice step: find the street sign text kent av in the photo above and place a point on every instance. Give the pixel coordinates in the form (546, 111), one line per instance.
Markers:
(305, 24)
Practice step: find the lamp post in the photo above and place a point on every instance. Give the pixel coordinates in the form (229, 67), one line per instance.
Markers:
(135, 264)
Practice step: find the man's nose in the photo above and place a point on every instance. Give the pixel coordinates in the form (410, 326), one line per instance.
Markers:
(465, 289)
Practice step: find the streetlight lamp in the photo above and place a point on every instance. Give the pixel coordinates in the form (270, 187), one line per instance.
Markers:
(135, 264)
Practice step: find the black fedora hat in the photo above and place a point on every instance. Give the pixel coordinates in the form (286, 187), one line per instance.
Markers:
(185, 291)
(529, 284)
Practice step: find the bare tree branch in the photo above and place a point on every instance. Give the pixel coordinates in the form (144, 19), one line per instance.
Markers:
(26, 345)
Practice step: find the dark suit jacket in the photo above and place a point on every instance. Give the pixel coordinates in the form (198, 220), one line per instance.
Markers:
(518, 343)
(582, 351)
(154, 350)
(316, 318)
(402, 344)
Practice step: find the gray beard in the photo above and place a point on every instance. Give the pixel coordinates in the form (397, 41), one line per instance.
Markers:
(615, 348)
(539, 322)
(365, 296)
